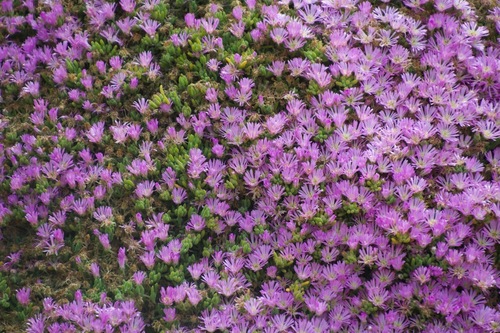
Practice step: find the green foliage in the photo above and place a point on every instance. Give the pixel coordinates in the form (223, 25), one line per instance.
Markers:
(142, 204)
(159, 12)
(72, 67)
(41, 185)
(176, 274)
(11, 137)
(158, 99)
(391, 199)
(5, 293)
(314, 53)
(298, 289)
(183, 82)
(320, 220)
(374, 185)
(368, 307)
(174, 97)
(104, 49)
(245, 245)
(128, 184)
(345, 82)
(281, 262)
(187, 244)
(323, 134)
(399, 238)
(186, 111)
(211, 301)
(351, 208)
(313, 88)
(418, 260)
(149, 42)
(165, 196)
(195, 45)
(350, 257)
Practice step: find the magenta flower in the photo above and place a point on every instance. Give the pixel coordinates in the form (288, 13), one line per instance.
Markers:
(145, 189)
(209, 24)
(122, 258)
(31, 88)
(127, 5)
(276, 123)
(169, 314)
(196, 223)
(318, 73)
(150, 26)
(94, 269)
(119, 131)
(23, 296)
(94, 134)
(277, 68)
(228, 287)
(148, 258)
(139, 277)
(279, 35)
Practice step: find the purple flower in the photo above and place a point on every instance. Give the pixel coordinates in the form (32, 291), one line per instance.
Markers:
(119, 131)
(122, 258)
(125, 25)
(212, 320)
(281, 322)
(193, 295)
(23, 296)
(94, 269)
(196, 164)
(484, 277)
(196, 223)
(318, 73)
(31, 88)
(152, 126)
(36, 324)
(169, 314)
(209, 24)
(148, 258)
(127, 5)
(237, 12)
(279, 35)
(276, 123)
(94, 134)
(237, 29)
(277, 68)
(141, 105)
(196, 270)
(139, 277)
(145, 189)
(150, 26)
(190, 20)
(178, 195)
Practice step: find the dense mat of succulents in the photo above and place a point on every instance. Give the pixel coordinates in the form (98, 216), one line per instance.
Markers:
(265, 166)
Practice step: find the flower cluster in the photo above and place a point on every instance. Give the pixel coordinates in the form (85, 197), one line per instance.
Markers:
(288, 166)
(84, 316)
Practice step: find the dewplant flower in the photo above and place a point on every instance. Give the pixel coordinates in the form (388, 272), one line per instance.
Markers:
(295, 166)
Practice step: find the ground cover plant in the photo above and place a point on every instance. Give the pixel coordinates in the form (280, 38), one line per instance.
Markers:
(249, 166)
